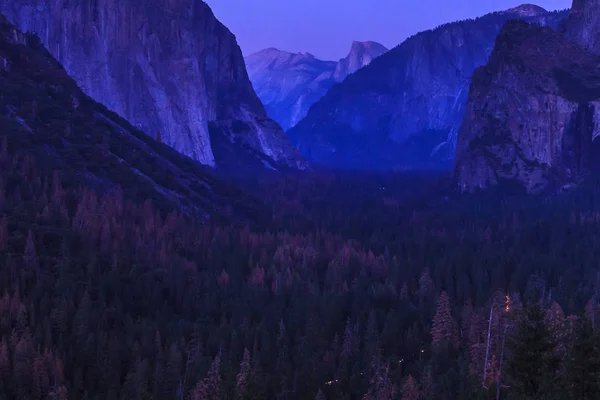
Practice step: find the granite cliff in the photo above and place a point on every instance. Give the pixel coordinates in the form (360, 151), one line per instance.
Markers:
(47, 120)
(533, 113)
(167, 66)
(289, 83)
(404, 109)
(361, 54)
(583, 24)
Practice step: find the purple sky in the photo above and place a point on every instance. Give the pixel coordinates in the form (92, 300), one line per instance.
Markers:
(326, 28)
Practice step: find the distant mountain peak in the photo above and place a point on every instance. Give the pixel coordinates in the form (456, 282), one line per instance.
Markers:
(272, 54)
(366, 44)
(289, 83)
(527, 10)
(360, 55)
(367, 47)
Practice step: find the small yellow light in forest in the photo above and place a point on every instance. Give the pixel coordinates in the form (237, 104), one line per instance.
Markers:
(507, 309)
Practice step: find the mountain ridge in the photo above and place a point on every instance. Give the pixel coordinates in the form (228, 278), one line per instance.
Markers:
(289, 83)
(404, 109)
(168, 67)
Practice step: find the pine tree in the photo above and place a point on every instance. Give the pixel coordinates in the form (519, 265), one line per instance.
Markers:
(172, 373)
(349, 345)
(209, 388)
(4, 360)
(82, 317)
(30, 254)
(425, 285)
(591, 311)
(533, 361)
(444, 327)
(410, 390)
(40, 384)
(3, 231)
(4, 148)
(243, 376)
(23, 363)
(282, 363)
(583, 365)
(555, 321)
(59, 393)
(381, 386)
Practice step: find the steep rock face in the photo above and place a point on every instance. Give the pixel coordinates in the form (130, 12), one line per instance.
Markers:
(47, 119)
(289, 83)
(529, 122)
(361, 54)
(404, 109)
(583, 24)
(167, 66)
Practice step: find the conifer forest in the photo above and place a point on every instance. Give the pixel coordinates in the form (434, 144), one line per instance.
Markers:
(349, 287)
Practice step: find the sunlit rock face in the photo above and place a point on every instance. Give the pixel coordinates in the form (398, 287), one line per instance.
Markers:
(167, 66)
(289, 83)
(530, 123)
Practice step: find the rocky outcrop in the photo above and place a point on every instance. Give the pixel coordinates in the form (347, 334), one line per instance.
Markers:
(289, 83)
(404, 109)
(528, 122)
(583, 24)
(167, 66)
(527, 11)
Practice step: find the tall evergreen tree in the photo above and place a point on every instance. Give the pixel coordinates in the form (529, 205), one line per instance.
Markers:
(531, 369)
(209, 388)
(410, 390)
(444, 329)
(583, 364)
(243, 375)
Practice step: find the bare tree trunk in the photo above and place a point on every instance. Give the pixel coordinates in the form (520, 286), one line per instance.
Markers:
(501, 361)
(487, 347)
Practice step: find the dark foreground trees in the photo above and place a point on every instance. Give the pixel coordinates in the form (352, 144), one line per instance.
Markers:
(104, 297)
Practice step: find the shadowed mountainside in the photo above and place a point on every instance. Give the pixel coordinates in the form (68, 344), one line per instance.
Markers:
(404, 109)
(48, 119)
(167, 66)
(529, 122)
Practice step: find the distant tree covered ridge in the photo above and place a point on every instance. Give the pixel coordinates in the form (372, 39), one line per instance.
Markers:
(104, 297)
